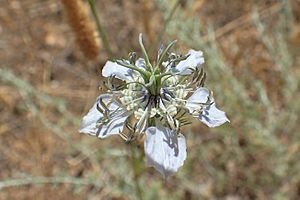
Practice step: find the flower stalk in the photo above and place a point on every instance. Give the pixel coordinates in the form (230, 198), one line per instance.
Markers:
(101, 30)
(136, 162)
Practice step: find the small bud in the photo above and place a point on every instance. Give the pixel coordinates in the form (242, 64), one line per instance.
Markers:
(132, 57)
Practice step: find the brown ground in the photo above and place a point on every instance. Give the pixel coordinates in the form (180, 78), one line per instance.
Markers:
(37, 44)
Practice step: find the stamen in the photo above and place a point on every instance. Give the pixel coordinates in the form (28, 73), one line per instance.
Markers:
(128, 100)
(141, 124)
(172, 110)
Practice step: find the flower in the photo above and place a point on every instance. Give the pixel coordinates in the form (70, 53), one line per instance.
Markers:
(154, 101)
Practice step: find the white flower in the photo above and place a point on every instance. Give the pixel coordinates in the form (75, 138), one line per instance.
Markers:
(156, 101)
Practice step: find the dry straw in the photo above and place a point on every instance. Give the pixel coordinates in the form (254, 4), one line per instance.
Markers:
(83, 27)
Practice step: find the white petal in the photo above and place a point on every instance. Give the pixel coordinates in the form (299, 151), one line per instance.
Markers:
(165, 150)
(140, 63)
(213, 117)
(194, 60)
(89, 122)
(114, 127)
(114, 69)
(199, 96)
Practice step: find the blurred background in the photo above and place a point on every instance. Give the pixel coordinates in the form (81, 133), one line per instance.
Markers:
(51, 56)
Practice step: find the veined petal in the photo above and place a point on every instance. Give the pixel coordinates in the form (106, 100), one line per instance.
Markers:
(165, 150)
(194, 60)
(114, 69)
(88, 124)
(200, 96)
(113, 127)
(140, 63)
(213, 117)
(94, 116)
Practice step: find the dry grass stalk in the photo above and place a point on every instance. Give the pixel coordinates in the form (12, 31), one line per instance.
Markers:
(244, 20)
(83, 27)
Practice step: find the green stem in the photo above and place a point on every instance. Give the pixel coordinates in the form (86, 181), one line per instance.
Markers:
(44, 180)
(130, 66)
(136, 82)
(166, 74)
(100, 28)
(136, 165)
(148, 64)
